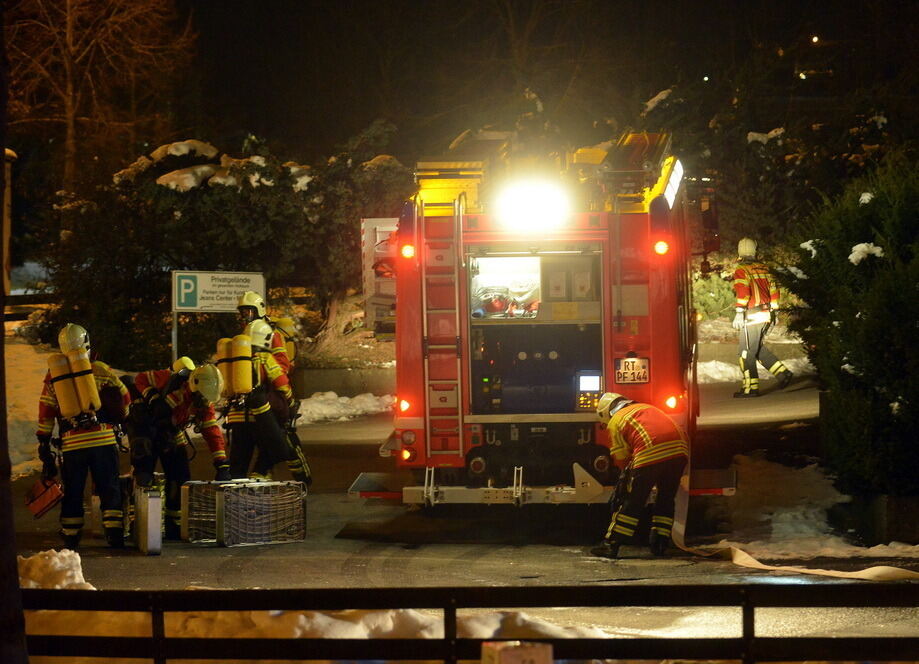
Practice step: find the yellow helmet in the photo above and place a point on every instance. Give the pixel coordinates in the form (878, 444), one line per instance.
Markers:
(183, 364)
(207, 381)
(746, 248)
(254, 300)
(72, 337)
(261, 333)
(608, 404)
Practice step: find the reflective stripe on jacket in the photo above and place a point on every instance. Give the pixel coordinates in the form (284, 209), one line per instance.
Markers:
(645, 434)
(754, 287)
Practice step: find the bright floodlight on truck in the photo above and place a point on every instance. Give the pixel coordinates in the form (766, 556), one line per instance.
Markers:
(532, 205)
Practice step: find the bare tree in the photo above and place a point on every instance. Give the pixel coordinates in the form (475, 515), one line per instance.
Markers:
(89, 65)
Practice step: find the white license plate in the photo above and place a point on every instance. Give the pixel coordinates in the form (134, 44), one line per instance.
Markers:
(632, 370)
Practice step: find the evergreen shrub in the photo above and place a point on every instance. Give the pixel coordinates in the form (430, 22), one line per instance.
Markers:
(111, 260)
(857, 277)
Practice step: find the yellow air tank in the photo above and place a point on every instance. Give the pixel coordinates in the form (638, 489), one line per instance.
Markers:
(241, 358)
(64, 388)
(82, 370)
(289, 332)
(224, 356)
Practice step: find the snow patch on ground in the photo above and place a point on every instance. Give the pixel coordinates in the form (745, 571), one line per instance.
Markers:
(780, 513)
(329, 406)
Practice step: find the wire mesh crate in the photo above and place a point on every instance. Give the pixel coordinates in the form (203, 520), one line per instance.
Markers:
(260, 513)
(199, 511)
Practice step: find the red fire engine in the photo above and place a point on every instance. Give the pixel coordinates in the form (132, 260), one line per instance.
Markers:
(520, 298)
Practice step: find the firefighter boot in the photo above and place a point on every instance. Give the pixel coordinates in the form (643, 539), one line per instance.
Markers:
(115, 537)
(606, 549)
(222, 473)
(749, 389)
(659, 543)
(71, 542)
(784, 378)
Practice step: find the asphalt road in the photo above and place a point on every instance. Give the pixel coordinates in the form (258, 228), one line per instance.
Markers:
(356, 543)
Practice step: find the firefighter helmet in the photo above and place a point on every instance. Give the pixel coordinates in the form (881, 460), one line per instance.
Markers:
(608, 404)
(73, 337)
(746, 248)
(261, 333)
(207, 381)
(183, 364)
(253, 300)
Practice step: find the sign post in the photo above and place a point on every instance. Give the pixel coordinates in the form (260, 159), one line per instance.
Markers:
(213, 292)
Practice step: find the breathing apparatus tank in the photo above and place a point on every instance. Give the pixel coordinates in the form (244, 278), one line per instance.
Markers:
(64, 388)
(241, 363)
(82, 370)
(224, 356)
(289, 332)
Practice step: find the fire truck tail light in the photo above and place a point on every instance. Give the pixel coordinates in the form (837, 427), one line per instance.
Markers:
(671, 402)
(407, 251)
(661, 247)
(404, 405)
(408, 454)
(408, 437)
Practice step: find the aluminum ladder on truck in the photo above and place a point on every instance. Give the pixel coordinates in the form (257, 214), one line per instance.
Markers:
(441, 252)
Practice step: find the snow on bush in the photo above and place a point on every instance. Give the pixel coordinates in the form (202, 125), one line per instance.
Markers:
(188, 147)
(863, 250)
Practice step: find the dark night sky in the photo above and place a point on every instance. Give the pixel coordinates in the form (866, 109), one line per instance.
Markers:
(307, 75)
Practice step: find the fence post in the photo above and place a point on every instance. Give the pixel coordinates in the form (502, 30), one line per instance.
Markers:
(749, 630)
(450, 631)
(158, 624)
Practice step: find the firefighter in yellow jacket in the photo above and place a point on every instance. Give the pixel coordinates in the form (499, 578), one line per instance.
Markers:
(650, 450)
(755, 305)
(254, 421)
(87, 402)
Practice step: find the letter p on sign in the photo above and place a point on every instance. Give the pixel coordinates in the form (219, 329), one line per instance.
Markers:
(187, 290)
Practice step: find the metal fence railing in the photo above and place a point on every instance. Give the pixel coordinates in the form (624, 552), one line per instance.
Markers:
(749, 647)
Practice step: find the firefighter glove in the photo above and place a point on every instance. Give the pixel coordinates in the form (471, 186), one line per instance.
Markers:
(48, 462)
(739, 318)
(48, 470)
(44, 448)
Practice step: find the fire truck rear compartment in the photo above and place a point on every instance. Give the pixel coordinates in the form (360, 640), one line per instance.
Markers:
(531, 368)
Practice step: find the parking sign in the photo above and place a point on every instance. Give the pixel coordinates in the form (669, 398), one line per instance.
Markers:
(213, 291)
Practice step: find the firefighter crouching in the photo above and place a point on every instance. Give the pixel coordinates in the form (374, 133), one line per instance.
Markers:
(168, 402)
(644, 440)
(88, 402)
(256, 414)
(755, 305)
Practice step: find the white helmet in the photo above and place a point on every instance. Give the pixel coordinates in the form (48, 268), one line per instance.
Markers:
(746, 248)
(608, 404)
(72, 337)
(207, 381)
(254, 300)
(261, 333)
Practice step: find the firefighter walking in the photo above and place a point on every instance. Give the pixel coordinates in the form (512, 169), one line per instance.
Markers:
(755, 305)
(87, 402)
(168, 402)
(649, 446)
